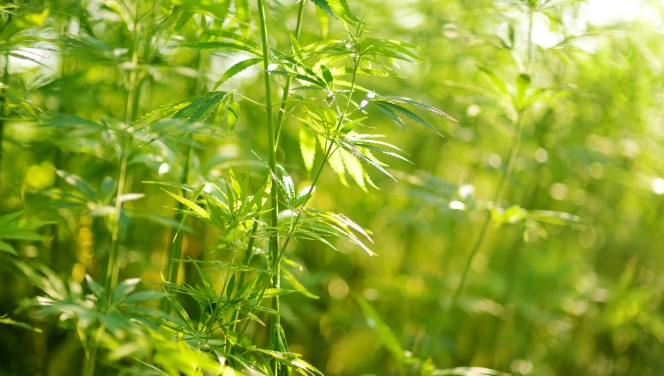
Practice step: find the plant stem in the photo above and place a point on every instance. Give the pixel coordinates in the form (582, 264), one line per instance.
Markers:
(482, 235)
(3, 98)
(175, 249)
(112, 268)
(272, 165)
(329, 150)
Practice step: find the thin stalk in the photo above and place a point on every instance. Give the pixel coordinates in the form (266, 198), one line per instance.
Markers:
(112, 268)
(482, 235)
(329, 150)
(272, 165)
(175, 250)
(3, 104)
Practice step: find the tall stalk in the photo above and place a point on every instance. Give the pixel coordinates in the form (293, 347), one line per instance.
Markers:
(3, 106)
(272, 165)
(3, 98)
(280, 118)
(329, 149)
(175, 249)
(112, 269)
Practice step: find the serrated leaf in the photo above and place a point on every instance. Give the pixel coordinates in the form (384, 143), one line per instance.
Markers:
(387, 111)
(7, 321)
(235, 69)
(307, 147)
(327, 76)
(10, 216)
(410, 114)
(233, 110)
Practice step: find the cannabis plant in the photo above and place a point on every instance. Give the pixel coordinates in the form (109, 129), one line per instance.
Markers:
(254, 209)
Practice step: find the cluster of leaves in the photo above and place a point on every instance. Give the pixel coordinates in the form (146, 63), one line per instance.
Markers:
(114, 321)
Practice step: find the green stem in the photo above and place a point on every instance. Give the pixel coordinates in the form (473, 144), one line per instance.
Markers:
(112, 268)
(482, 235)
(3, 105)
(329, 150)
(272, 165)
(175, 250)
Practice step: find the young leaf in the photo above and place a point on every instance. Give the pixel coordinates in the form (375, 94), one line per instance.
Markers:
(233, 110)
(307, 146)
(123, 289)
(7, 321)
(235, 69)
(194, 207)
(80, 184)
(383, 331)
(296, 284)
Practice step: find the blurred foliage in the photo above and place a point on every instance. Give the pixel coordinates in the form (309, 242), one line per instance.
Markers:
(553, 270)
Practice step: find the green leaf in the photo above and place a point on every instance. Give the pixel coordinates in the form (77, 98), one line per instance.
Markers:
(235, 69)
(7, 248)
(325, 6)
(95, 288)
(392, 98)
(495, 80)
(225, 46)
(337, 165)
(354, 168)
(181, 312)
(19, 235)
(387, 111)
(410, 114)
(11, 216)
(7, 321)
(206, 281)
(296, 284)
(123, 289)
(383, 331)
(233, 110)
(194, 207)
(230, 287)
(307, 147)
(327, 76)
(522, 84)
(22, 23)
(80, 184)
(108, 186)
(143, 296)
